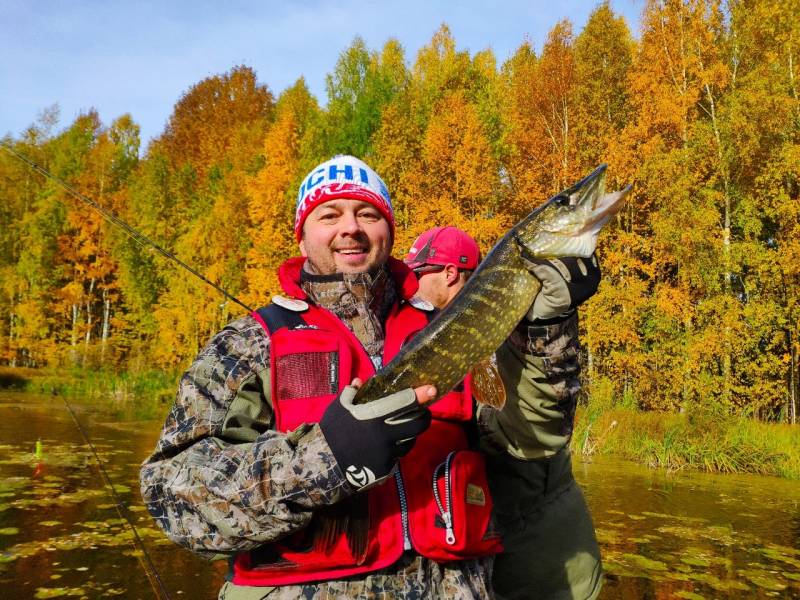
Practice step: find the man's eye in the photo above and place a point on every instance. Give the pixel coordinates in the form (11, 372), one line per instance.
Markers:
(327, 216)
(369, 215)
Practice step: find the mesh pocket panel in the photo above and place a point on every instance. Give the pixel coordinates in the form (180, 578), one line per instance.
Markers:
(306, 375)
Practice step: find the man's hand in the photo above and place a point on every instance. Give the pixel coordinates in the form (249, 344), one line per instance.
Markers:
(566, 284)
(368, 439)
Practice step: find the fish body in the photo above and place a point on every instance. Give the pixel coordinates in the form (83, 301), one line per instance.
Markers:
(499, 293)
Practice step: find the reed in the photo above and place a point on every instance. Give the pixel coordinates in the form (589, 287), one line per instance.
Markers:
(119, 386)
(698, 440)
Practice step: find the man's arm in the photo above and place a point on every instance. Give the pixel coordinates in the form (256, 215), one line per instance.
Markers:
(220, 480)
(538, 365)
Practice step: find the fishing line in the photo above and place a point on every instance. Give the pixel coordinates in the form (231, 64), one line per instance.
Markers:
(134, 234)
(147, 564)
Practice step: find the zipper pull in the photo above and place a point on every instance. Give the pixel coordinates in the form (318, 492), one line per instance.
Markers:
(403, 510)
(450, 536)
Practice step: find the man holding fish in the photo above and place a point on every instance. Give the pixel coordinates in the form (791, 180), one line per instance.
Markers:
(309, 446)
(548, 536)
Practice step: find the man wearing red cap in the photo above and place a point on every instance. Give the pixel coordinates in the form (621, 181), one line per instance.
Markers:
(265, 459)
(442, 258)
(550, 545)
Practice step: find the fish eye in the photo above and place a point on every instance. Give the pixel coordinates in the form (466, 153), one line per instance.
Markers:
(563, 200)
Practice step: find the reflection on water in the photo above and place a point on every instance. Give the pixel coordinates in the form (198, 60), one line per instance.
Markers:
(693, 535)
(663, 535)
(60, 534)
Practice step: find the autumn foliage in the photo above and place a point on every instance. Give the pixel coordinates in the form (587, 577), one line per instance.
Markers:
(700, 301)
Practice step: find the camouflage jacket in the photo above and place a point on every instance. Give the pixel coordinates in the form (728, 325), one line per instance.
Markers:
(221, 481)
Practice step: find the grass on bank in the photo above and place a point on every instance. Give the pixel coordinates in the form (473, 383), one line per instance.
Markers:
(146, 392)
(699, 439)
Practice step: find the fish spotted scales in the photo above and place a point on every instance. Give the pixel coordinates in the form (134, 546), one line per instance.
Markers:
(499, 293)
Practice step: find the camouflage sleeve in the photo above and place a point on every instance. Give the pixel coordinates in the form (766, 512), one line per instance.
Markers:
(220, 480)
(538, 365)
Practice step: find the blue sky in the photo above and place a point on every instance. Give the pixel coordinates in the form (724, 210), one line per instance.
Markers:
(138, 57)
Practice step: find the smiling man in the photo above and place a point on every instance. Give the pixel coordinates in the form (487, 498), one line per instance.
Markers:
(346, 236)
(264, 458)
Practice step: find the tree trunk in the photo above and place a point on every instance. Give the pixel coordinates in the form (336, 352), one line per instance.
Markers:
(89, 315)
(792, 83)
(792, 380)
(76, 315)
(686, 389)
(590, 361)
(106, 325)
(89, 319)
(12, 353)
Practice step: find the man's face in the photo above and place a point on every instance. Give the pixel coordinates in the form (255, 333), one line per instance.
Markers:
(346, 236)
(439, 284)
(433, 288)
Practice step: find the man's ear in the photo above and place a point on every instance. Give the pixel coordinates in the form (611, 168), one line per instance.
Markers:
(303, 248)
(451, 273)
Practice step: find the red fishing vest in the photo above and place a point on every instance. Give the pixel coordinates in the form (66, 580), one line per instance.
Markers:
(438, 502)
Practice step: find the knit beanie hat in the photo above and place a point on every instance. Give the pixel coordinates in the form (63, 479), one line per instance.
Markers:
(343, 176)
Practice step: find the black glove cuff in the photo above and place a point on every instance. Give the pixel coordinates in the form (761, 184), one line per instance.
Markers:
(554, 321)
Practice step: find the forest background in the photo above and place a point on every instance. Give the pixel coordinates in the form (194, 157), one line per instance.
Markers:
(700, 300)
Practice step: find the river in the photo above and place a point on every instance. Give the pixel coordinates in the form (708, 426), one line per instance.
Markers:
(663, 535)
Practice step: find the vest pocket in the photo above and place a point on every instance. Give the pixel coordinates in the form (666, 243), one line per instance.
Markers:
(307, 375)
(306, 367)
(456, 519)
(300, 553)
(306, 364)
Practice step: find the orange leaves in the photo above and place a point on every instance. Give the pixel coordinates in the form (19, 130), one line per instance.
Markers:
(214, 116)
(700, 299)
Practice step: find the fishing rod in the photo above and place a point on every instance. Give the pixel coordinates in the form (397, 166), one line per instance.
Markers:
(156, 583)
(134, 234)
(150, 570)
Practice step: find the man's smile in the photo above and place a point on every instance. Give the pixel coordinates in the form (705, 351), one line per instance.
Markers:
(351, 250)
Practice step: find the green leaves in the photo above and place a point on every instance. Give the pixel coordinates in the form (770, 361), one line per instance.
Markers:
(700, 299)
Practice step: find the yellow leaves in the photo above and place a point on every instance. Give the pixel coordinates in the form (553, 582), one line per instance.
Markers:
(700, 297)
(458, 156)
(270, 207)
(455, 183)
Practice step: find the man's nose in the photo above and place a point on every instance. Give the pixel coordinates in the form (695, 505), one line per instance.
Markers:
(350, 224)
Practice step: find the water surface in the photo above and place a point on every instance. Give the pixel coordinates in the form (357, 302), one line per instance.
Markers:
(663, 535)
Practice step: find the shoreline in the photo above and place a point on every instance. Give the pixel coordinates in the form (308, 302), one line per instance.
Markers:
(696, 440)
(699, 440)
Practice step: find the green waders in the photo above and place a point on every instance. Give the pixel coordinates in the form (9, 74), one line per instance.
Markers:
(551, 552)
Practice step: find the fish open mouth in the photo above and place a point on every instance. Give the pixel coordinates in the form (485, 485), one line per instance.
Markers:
(568, 224)
(604, 208)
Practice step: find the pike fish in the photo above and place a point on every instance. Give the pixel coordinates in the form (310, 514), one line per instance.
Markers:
(500, 292)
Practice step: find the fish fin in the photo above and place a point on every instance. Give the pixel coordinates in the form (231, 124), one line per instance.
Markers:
(486, 385)
(349, 517)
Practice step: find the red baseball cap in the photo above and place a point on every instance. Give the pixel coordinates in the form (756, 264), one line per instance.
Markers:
(442, 246)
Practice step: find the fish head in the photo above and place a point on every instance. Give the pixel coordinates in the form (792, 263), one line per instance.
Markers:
(568, 223)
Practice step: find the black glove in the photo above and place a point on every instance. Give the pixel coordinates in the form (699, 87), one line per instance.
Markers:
(367, 439)
(566, 284)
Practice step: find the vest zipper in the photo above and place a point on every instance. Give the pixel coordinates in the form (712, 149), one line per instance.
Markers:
(401, 491)
(446, 510)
